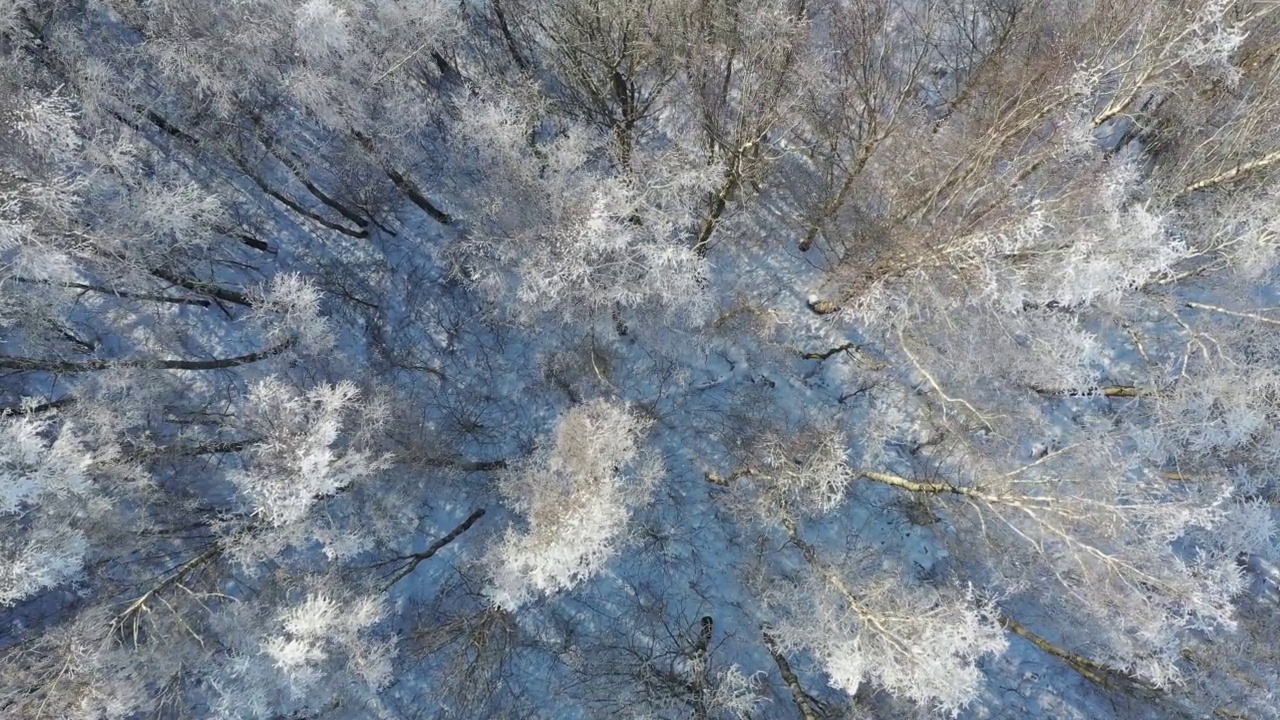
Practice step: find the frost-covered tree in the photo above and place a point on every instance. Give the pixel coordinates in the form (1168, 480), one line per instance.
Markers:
(576, 495)
(49, 491)
(916, 643)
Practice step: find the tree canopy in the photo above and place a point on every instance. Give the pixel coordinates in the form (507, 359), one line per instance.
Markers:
(666, 359)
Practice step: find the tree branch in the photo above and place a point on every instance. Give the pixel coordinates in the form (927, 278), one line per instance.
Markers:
(20, 409)
(825, 354)
(464, 465)
(299, 209)
(133, 612)
(217, 448)
(120, 293)
(436, 546)
(405, 184)
(1237, 171)
(938, 488)
(408, 188)
(204, 288)
(71, 366)
(1234, 313)
(797, 691)
(1089, 669)
(1109, 391)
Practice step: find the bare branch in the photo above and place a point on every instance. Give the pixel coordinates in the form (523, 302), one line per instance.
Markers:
(793, 683)
(416, 558)
(71, 366)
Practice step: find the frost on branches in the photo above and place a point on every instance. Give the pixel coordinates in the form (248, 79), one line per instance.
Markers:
(575, 496)
(1039, 243)
(319, 627)
(581, 239)
(46, 488)
(915, 642)
(300, 460)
